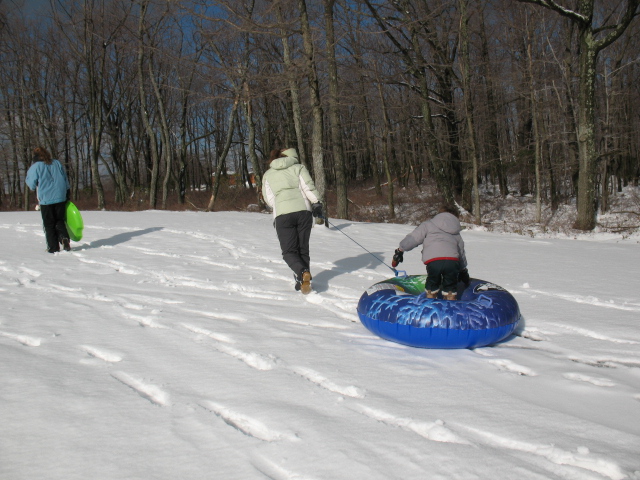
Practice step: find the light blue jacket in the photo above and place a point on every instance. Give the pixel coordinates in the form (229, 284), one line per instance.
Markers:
(50, 180)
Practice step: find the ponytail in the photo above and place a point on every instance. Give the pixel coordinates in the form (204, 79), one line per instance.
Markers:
(41, 153)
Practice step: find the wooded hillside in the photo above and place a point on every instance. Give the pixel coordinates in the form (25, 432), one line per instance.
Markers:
(160, 99)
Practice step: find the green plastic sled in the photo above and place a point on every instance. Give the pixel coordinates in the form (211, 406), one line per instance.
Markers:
(75, 225)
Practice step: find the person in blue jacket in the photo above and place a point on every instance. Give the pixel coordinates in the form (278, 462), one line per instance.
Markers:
(49, 178)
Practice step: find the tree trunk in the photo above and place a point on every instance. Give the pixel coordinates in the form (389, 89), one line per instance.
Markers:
(165, 135)
(586, 201)
(537, 160)
(94, 106)
(144, 113)
(386, 153)
(316, 105)
(293, 90)
(223, 156)
(465, 66)
(370, 148)
(253, 157)
(493, 156)
(342, 206)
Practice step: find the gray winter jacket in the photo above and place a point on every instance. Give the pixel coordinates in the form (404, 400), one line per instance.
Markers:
(440, 239)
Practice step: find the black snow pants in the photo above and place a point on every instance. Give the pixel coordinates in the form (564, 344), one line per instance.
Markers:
(53, 220)
(442, 274)
(294, 231)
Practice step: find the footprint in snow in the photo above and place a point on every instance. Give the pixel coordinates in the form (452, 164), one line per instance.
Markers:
(318, 379)
(148, 391)
(534, 335)
(434, 431)
(143, 321)
(610, 362)
(270, 469)
(252, 359)
(582, 458)
(337, 307)
(247, 425)
(581, 299)
(101, 354)
(314, 323)
(599, 382)
(132, 306)
(218, 315)
(511, 367)
(595, 335)
(23, 339)
(219, 337)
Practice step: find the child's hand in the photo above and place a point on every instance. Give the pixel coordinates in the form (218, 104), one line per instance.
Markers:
(463, 276)
(398, 257)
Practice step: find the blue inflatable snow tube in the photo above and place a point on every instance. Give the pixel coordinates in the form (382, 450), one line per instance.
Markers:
(398, 310)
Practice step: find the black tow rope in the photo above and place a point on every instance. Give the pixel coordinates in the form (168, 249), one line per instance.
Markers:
(396, 272)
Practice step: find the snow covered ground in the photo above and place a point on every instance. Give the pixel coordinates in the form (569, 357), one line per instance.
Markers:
(172, 345)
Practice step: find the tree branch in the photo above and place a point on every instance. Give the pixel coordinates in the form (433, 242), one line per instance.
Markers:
(632, 6)
(552, 5)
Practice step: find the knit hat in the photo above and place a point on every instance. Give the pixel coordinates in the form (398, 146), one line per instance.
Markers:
(290, 152)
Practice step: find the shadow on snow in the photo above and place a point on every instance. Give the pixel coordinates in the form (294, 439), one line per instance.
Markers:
(119, 238)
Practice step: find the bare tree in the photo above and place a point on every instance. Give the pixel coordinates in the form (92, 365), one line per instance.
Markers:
(408, 42)
(342, 206)
(294, 90)
(93, 53)
(465, 67)
(592, 40)
(236, 70)
(316, 104)
(158, 92)
(145, 113)
(386, 151)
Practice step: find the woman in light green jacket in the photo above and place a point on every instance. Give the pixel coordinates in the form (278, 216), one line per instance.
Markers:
(289, 190)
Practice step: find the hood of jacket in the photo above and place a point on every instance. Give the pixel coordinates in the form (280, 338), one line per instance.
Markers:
(282, 163)
(447, 223)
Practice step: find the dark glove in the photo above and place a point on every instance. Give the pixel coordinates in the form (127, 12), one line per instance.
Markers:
(463, 276)
(68, 194)
(316, 210)
(398, 257)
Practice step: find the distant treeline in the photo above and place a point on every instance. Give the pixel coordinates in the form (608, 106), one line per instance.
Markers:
(163, 98)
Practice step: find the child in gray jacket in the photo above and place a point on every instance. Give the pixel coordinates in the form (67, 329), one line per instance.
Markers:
(442, 253)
